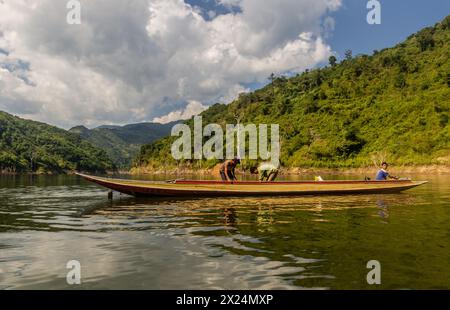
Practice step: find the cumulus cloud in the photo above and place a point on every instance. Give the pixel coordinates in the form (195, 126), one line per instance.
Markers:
(193, 108)
(140, 60)
(229, 3)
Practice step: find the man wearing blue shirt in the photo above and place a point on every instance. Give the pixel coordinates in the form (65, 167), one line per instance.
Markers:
(383, 175)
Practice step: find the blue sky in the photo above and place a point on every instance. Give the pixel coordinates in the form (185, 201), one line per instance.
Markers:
(158, 60)
(210, 5)
(400, 18)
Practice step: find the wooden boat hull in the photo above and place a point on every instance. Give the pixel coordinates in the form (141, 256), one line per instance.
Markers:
(218, 189)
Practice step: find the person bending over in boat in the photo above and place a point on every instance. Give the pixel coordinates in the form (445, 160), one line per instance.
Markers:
(383, 174)
(227, 170)
(267, 172)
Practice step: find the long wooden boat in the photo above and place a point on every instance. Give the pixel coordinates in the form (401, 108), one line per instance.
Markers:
(182, 188)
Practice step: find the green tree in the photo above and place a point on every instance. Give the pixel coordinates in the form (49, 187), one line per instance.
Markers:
(332, 60)
(348, 55)
(400, 81)
(272, 77)
(425, 39)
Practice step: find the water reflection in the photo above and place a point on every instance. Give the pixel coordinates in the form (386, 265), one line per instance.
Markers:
(383, 210)
(229, 216)
(236, 243)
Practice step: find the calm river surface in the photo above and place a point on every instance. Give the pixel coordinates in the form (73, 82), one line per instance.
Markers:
(232, 243)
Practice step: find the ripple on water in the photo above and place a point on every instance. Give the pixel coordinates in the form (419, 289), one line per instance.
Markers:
(229, 243)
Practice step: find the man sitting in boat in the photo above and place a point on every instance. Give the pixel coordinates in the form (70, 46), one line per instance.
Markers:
(383, 174)
(267, 172)
(227, 170)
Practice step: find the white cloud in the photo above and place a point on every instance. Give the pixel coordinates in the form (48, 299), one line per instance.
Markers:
(133, 61)
(193, 108)
(232, 93)
(328, 26)
(229, 3)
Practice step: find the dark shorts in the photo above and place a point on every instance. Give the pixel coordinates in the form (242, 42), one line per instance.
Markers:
(268, 175)
(224, 177)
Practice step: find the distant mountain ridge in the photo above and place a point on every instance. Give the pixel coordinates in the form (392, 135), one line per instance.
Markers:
(123, 143)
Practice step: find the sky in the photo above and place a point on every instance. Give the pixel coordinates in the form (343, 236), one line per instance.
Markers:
(163, 60)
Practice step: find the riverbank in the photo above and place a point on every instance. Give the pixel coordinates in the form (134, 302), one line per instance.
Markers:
(425, 169)
(110, 172)
(182, 171)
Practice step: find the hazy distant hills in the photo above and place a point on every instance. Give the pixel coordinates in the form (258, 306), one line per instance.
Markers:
(123, 143)
(29, 146)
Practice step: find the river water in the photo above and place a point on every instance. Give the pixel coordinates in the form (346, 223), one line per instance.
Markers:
(228, 243)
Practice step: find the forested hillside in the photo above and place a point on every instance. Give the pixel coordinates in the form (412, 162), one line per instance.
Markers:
(394, 102)
(29, 146)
